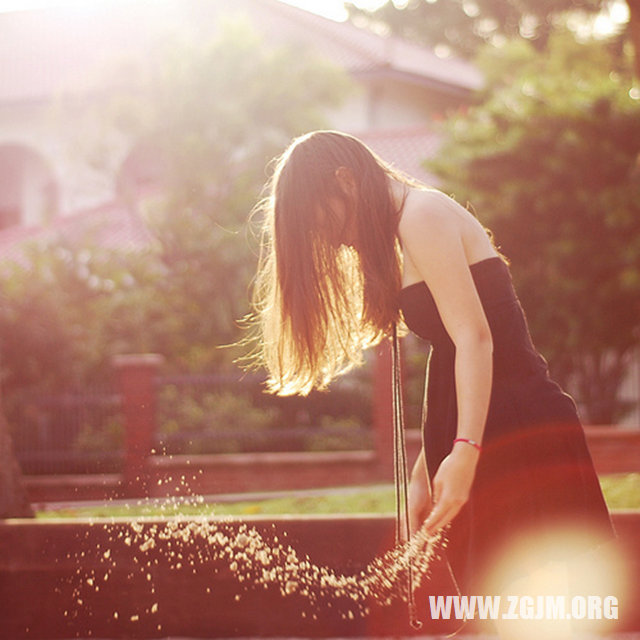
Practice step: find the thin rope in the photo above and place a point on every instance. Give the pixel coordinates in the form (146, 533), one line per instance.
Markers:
(400, 472)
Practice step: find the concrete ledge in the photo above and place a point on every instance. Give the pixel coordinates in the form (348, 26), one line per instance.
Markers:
(52, 488)
(614, 450)
(225, 473)
(221, 473)
(70, 578)
(52, 579)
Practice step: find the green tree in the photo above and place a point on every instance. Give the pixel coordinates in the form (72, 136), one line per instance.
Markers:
(210, 116)
(464, 26)
(550, 161)
(40, 334)
(213, 115)
(67, 308)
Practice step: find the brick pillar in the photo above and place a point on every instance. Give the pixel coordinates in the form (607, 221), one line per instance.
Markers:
(136, 382)
(383, 408)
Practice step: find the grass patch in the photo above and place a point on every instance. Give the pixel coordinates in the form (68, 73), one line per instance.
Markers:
(375, 500)
(621, 492)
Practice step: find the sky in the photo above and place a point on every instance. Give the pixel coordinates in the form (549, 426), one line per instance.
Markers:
(606, 23)
(329, 8)
(333, 8)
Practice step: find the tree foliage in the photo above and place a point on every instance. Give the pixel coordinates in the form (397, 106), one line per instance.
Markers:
(66, 310)
(214, 116)
(464, 26)
(209, 117)
(206, 118)
(550, 162)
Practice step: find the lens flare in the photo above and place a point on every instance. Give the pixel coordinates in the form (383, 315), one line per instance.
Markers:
(559, 581)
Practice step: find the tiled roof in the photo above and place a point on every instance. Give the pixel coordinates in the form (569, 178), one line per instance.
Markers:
(44, 51)
(360, 50)
(405, 149)
(110, 226)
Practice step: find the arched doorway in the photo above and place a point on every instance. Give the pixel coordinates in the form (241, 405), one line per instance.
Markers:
(28, 191)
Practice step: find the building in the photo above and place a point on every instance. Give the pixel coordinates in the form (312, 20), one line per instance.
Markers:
(401, 89)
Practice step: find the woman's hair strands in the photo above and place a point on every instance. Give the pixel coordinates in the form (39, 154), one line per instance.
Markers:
(317, 302)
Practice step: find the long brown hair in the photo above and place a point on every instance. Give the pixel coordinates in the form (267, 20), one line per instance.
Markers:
(318, 303)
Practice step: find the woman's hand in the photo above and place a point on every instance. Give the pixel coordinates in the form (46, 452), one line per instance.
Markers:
(419, 498)
(452, 485)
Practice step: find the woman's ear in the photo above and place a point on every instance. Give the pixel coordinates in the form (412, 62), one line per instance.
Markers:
(346, 180)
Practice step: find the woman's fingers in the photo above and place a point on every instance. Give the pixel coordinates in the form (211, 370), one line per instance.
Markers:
(451, 489)
(437, 488)
(417, 516)
(438, 521)
(419, 496)
(443, 512)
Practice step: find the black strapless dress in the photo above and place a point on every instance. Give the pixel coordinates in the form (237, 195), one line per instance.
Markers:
(534, 474)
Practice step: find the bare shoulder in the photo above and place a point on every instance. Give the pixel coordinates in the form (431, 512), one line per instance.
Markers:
(436, 224)
(434, 233)
(426, 217)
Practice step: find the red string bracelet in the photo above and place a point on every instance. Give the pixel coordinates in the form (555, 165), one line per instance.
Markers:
(473, 443)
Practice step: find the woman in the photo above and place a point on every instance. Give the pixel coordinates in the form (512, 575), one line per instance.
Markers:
(351, 248)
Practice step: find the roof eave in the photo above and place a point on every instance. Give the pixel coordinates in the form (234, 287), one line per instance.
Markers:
(447, 88)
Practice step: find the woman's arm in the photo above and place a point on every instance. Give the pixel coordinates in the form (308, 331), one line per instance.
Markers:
(431, 235)
(419, 494)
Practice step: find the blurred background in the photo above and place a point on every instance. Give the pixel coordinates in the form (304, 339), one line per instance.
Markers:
(135, 138)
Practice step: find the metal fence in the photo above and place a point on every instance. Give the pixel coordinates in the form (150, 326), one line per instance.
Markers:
(225, 413)
(84, 431)
(79, 432)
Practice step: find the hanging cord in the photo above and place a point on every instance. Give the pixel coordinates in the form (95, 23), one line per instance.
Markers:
(400, 472)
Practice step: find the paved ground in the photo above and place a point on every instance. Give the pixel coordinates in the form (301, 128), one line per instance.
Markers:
(615, 636)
